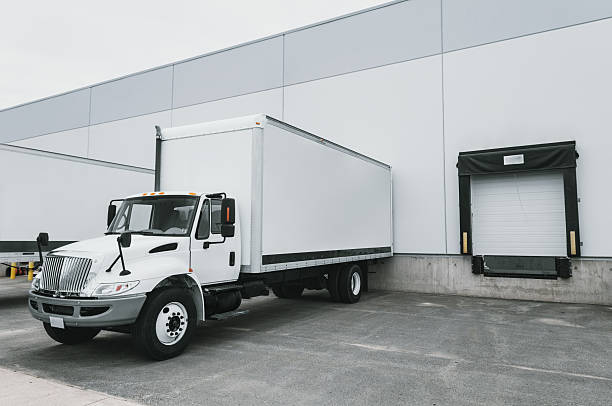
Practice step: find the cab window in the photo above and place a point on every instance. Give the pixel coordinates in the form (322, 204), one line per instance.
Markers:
(203, 230)
(215, 216)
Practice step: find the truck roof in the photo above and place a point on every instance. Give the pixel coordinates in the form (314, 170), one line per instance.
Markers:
(213, 127)
(166, 193)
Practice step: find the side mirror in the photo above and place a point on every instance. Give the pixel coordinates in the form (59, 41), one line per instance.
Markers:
(125, 239)
(112, 212)
(228, 212)
(227, 230)
(43, 239)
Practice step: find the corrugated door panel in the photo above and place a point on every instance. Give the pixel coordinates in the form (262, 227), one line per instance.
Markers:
(518, 214)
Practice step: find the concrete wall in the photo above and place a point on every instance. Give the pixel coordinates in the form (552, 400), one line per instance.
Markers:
(452, 275)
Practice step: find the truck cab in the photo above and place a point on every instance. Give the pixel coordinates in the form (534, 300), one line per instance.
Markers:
(155, 242)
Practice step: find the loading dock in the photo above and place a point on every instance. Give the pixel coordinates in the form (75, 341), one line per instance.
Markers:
(519, 209)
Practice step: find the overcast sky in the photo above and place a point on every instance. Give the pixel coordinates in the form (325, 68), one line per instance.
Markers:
(49, 47)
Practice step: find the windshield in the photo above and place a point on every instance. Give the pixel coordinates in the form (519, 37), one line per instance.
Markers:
(159, 215)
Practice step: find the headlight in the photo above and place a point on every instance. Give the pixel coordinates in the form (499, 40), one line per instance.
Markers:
(36, 283)
(109, 289)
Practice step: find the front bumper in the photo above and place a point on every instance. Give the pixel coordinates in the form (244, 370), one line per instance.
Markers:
(101, 313)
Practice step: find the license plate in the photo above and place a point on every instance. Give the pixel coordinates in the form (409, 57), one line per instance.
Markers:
(57, 322)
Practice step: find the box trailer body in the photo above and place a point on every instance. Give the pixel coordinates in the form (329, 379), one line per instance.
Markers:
(303, 201)
(63, 195)
(240, 206)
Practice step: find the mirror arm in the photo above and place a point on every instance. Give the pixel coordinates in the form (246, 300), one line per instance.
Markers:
(124, 271)
(39, 251)
(216, 242)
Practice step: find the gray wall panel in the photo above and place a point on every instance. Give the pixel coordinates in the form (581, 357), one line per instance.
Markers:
(246, 69)
(395, 33)
(473, 22)
(135, 95)
(55, 114)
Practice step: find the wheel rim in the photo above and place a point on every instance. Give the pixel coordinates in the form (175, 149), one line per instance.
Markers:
(355, 283)
(171, 323)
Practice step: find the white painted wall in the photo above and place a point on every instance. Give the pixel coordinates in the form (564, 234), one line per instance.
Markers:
(269, 102)
(554, 86)
(130, 141)
(393, 114)
(548, 87)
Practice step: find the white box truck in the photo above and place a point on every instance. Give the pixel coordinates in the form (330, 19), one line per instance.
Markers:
(240, 206)
(64, 195)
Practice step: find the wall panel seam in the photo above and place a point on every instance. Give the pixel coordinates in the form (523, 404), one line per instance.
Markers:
(527, 35)
(283, 82)
(127, 118)
(363, 69)
(228, 97)
(88, 124)
(443, 127)
(43, 134)
(172, 98)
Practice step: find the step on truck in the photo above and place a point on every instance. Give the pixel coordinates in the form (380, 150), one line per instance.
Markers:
(239, 207)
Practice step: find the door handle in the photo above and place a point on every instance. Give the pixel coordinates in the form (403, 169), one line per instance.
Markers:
(205, 245)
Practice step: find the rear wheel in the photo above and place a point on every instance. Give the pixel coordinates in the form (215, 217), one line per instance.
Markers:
(332, 284)
(166, 323)
(350, 283)
(288, 291)
(71, 335)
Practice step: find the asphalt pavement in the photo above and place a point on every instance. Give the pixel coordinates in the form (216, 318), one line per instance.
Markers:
(390, 348)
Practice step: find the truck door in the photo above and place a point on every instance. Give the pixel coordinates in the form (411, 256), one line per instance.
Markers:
(211, 258)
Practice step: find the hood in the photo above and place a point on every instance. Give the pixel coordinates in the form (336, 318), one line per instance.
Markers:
(103, 251)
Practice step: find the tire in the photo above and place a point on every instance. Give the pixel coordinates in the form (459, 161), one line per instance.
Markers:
(71, 335)
(288, 291)
(350, 283)
(173, 307)
(332, 284)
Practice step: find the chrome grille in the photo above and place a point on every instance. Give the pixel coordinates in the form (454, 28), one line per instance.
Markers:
(66, 275)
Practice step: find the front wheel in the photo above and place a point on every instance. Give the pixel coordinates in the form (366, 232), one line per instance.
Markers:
(166, 323)
(71, 335)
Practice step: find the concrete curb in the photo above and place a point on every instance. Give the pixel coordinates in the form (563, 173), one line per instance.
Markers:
(19, 388)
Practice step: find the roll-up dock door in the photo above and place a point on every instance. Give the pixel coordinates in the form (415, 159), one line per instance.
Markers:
(519, 214)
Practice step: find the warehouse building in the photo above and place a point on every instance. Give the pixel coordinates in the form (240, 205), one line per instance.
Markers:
(494, 115)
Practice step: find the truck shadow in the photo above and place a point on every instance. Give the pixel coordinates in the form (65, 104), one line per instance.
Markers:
(110, 349)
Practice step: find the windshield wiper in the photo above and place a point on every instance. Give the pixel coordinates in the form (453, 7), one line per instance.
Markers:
(142, 232)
